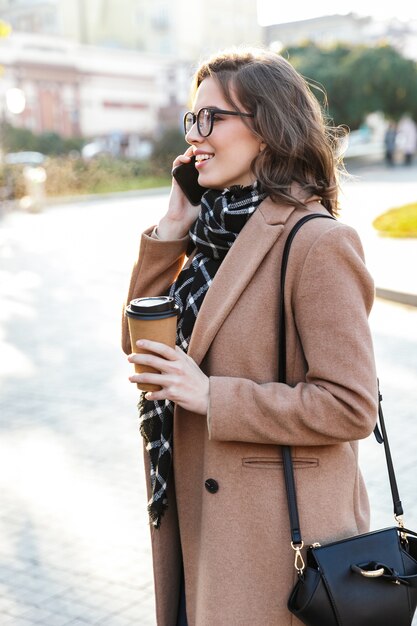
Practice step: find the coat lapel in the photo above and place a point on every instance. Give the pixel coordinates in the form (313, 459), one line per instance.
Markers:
(255, 240)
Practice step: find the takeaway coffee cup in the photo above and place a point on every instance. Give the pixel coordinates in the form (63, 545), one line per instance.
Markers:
(154, 319)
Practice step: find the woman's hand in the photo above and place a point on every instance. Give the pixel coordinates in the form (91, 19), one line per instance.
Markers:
(181, 379)
(181, 213)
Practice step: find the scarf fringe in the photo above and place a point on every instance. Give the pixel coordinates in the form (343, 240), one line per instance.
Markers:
(154, 515)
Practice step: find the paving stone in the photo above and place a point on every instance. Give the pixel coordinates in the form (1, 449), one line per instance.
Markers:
(17, 621)
(54, 619)
(40, 615)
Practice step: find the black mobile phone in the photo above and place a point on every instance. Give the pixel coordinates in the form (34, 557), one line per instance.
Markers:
(186, 176)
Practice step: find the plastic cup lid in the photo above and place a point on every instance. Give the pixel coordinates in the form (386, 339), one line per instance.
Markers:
(152, 306)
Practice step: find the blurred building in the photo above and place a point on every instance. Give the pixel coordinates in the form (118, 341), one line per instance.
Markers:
(352, 29)
(180, 28)
(74, 89)
(324, 30)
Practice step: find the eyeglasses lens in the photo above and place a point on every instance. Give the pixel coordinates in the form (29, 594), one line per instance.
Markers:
(188, 122)
(204, 122)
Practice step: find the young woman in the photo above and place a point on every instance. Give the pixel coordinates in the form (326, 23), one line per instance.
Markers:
(219, 517)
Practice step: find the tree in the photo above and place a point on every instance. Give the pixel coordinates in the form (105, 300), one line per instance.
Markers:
(167, 148)
(359, 79)
(385, 81)
(17, 139)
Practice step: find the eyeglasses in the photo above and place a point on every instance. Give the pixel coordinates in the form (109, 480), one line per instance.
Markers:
(205, 118)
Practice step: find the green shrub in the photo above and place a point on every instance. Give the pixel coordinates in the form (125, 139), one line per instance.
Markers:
(11, 181)
(398, 222)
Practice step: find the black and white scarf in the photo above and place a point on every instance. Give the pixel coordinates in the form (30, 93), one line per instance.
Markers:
(222, 217)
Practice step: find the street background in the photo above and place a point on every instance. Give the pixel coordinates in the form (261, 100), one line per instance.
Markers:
(74, 541)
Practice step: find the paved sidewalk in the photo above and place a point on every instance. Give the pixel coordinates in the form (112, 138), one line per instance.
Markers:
(74, 541)
(373, 189)
(74, 545)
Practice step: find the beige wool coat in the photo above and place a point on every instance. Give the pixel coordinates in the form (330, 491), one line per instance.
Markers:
(234, 530)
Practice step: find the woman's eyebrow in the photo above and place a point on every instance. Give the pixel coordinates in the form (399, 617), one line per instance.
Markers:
(211, 107)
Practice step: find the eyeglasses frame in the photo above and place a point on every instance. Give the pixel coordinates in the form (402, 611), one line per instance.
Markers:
(213, 112)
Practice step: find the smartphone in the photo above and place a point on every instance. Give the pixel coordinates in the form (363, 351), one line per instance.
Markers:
(186, 176)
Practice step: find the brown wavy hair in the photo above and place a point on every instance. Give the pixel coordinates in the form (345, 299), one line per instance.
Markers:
(288, 119)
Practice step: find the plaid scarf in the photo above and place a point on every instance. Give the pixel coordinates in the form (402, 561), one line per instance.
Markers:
(222, 217)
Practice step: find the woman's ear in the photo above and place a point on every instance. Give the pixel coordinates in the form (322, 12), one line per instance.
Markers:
(262, 146)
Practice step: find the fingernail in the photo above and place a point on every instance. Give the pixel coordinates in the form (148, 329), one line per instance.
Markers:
(139, 342)
(148, 395)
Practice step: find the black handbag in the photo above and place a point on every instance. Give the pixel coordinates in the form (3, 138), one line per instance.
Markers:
(364, 580)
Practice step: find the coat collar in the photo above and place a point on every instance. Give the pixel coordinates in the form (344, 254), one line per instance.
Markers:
(255, 240)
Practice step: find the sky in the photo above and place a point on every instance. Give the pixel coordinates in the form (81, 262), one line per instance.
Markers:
(280, 11)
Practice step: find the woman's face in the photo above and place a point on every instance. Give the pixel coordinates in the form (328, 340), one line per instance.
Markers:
(224, 157)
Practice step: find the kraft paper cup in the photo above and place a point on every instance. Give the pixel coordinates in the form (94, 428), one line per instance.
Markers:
(153, 318)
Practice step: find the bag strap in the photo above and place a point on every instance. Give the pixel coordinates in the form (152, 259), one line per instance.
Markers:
(296, 538)
(397, 505)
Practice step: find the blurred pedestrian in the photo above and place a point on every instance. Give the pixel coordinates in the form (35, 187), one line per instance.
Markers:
(219, 519)
(390, 142)
(407, 138)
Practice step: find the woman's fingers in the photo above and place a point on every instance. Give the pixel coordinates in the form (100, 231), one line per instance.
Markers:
(150, 378)
(178, 375)
(160, 357)
(166, 352)
(165, 366)
(183, 158)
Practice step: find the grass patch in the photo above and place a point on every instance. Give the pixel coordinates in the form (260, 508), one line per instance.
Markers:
(69, 177)
(398, 222)
(103, 175)
(145, 182)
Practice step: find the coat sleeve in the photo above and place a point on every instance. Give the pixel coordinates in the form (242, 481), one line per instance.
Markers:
(337, 399)
(157, 267)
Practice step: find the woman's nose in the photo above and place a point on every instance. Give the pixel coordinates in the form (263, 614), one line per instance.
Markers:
(193, 136)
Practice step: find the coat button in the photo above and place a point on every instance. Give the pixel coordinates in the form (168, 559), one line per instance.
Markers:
(211, 485)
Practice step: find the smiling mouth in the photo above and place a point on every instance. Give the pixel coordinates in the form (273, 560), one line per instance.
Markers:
(199, 158)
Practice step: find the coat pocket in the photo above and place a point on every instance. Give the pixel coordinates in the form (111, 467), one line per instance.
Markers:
(270, 462)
